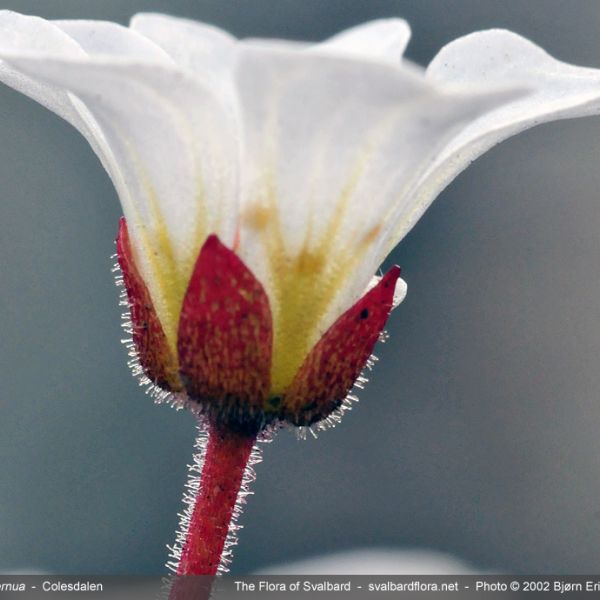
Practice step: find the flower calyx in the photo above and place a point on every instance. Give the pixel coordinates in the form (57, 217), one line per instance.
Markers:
(225, 341)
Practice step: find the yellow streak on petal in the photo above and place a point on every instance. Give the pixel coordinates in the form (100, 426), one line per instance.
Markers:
(305, 284)
(170, 276)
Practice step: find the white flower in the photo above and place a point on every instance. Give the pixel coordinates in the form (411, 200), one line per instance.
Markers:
(309, 162)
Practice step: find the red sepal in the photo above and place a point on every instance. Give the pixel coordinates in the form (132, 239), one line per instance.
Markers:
(148, 335)
(337, 359)
(225, 338)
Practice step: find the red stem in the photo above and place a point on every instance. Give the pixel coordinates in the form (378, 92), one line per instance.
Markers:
(226, 458)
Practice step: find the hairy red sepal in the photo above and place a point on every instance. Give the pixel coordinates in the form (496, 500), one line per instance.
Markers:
(225, 338)
(148, 336)
(337, 359)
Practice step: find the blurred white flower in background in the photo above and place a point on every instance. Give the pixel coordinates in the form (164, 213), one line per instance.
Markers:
(375, 561)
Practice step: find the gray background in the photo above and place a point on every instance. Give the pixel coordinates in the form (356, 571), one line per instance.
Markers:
(479, 433)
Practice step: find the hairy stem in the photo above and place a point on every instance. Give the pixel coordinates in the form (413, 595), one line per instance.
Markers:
(226, 458)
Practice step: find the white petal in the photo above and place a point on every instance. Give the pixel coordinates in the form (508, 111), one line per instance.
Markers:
(33, 34)
(333, 145)
(21, 33)
(105, 38)
(338, 141)
(179, 155)
(207, 51)
(399, 291)
(108, 38)
(382, 39)
(276, 43)
(559, 91)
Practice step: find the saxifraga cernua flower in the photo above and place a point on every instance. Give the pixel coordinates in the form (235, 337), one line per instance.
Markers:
(263, 183)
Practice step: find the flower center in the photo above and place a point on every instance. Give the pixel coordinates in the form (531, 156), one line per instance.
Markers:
(304, 284)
